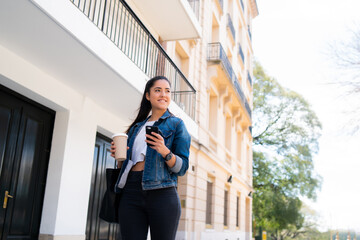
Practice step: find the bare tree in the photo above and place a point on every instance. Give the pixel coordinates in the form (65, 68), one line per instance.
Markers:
(345, 54)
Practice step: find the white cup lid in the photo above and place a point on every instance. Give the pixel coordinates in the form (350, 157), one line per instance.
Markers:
(119, 134)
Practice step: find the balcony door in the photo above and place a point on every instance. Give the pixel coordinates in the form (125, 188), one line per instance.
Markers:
(25, 140)
(97, 229)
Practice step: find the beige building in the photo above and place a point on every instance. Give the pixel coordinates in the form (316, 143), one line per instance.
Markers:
(216, 193)
(72, 73)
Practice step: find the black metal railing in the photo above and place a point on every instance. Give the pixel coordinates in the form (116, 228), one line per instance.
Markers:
(249, 78)
(195, 5)
(121, 25)
(242, 4)
(241, 53)
(248, 109)
(230, 26)
(249, 31)
(216, 53)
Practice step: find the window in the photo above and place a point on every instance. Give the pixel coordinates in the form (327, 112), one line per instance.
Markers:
(226, 202)
(213, 108)
(209, 195)
(248, 61)
(215, 30)
(238, 211)
(248, 220)
(241, 34)
(228, 133)
(238, 146)
(213, 112)
(248, 162)
(181, 59)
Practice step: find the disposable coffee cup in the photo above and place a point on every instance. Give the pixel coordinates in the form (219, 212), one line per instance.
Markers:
(120, 142)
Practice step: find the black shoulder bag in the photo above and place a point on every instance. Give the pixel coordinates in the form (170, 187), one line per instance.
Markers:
(110, 202)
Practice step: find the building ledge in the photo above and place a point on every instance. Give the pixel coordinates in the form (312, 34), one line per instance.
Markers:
(171, 19)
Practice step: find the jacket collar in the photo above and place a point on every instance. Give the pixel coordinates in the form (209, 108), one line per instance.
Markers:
(166, 114)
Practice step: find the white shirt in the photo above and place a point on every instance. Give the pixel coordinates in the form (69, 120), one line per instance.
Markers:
(138, 153)
(139, 148)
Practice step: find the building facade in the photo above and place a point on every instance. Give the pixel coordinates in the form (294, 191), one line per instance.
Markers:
(217, 191)
(72, 73)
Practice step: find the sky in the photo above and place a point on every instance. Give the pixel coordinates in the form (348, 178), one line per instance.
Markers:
(291, 40)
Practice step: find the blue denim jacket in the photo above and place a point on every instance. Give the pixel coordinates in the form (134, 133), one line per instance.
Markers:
(156, 173)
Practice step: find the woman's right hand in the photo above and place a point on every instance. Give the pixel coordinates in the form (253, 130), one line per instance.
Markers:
(112, 149)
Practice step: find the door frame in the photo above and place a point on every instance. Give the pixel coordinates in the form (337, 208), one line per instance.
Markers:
(25, 102)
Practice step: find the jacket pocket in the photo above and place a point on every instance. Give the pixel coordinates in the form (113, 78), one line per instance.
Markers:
(168, 137)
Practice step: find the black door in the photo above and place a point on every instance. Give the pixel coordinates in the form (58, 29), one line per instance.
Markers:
(96, 228)
(25, 139)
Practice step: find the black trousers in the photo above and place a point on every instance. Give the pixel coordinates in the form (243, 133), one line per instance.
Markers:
(158, 209)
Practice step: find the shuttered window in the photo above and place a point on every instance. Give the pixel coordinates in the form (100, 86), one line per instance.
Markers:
(237, 211)
(226, 198)
(209, 194)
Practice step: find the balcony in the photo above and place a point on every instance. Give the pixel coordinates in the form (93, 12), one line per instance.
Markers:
(168, 17)
(230, 26)
(241, 53)
(120, 24)
(217, 54)
(249, 32)
(242, 4)
(249, 78)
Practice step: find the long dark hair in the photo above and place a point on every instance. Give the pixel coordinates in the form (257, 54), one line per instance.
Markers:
(145, 105)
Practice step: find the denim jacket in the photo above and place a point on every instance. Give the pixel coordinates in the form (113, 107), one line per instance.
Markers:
(156, 173)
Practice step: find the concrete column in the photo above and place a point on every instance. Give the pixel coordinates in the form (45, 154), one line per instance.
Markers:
(69, 174)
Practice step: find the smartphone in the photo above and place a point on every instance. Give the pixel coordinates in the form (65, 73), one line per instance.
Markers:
(149, 130)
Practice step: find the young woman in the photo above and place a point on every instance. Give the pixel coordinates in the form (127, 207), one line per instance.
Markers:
(148, 177)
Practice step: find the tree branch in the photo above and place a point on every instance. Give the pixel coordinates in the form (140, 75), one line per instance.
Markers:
(255, 139)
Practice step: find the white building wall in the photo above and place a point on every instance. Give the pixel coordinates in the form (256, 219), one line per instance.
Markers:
(78, 118)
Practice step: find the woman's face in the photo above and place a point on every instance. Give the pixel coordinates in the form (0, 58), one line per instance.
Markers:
(159, 95)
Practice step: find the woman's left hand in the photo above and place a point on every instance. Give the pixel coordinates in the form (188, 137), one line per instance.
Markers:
(158, 143)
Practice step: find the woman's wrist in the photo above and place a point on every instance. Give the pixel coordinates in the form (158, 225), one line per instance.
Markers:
(165, 152)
